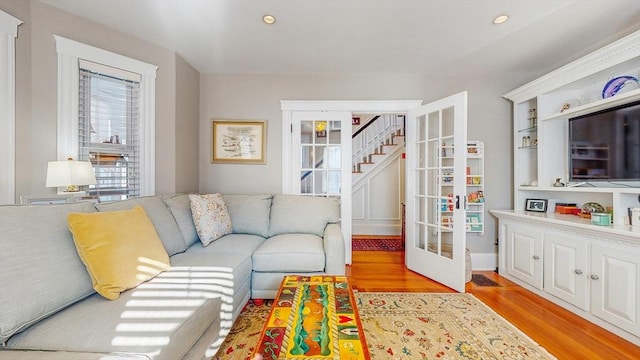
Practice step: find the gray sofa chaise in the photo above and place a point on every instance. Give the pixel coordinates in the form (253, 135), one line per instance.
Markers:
(49, 309)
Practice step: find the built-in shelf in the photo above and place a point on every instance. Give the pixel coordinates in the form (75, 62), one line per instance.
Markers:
(594, 106)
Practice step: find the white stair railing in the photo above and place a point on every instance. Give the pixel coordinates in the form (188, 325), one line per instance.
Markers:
(371, 140)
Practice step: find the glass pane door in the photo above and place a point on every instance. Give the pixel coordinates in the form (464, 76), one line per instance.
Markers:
(435, 193)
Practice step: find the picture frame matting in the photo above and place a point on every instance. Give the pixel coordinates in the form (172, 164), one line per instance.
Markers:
(239, 141)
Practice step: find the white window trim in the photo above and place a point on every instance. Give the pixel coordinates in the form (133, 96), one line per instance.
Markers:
(69, 51)
(8, 34)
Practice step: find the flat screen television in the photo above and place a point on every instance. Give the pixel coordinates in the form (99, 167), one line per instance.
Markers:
(605, 145)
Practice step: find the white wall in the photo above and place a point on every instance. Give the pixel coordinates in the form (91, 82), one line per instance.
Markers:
(257, 97)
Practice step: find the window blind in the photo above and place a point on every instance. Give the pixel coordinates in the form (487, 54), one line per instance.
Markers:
(108, 130)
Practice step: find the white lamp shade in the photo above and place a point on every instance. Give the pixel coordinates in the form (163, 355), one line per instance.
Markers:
(69, 173)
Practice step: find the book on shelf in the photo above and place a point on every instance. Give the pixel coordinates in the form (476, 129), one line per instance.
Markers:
(474, 223)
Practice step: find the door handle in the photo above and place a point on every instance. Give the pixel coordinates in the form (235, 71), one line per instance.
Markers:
(457, 201)
(595, 277)
(578, 272)
(536, 257)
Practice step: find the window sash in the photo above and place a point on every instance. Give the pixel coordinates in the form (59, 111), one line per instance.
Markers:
(109, 131)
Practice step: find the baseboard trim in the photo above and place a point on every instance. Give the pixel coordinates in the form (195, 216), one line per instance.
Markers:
(484, 261)
(376, 229)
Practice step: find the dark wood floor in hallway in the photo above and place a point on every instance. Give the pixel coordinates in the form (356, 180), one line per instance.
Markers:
(562, 333)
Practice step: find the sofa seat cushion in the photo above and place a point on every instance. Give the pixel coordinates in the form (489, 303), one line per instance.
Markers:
(290, 252)
(40, 271)
(159, 215)
(161, 318)
(226, 274)
(231, 244)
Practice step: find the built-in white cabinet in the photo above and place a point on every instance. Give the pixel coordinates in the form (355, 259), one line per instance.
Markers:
(523, 244)
(590, 270)
(566, 268)
(615, 286)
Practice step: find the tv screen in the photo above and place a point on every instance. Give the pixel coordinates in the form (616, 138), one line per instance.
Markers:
(605, 146)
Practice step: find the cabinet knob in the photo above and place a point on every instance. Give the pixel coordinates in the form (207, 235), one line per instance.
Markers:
(595, 277)
(536, 257)
(578, 272)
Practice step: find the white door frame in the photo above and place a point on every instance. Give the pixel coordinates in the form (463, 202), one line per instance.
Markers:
(288, 107)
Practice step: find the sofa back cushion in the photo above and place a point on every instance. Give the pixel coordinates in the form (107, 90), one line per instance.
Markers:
(40, 271)
(302, 214)
(160, 216)
(249, 213)
(180, 207)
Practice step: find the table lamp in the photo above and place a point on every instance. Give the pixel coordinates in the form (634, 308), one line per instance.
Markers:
(70, 174)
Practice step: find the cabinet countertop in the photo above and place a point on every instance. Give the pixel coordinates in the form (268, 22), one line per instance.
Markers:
(629, 233)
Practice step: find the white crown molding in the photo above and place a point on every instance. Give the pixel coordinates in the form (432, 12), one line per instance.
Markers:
(617, 52)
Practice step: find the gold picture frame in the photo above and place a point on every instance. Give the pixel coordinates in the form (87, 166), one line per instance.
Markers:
(239, 141)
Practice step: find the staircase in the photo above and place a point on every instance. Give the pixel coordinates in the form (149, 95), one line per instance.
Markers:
(380, 138)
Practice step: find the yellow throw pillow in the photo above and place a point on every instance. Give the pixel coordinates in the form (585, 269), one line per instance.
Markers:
(121, 249)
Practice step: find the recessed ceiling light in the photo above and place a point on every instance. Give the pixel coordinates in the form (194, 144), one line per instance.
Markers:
(269, 19)
(500, 19)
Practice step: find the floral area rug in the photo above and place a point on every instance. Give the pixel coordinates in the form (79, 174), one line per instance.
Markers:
(411, 326)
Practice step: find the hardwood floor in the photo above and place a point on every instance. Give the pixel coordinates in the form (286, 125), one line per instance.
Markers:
(562, 333)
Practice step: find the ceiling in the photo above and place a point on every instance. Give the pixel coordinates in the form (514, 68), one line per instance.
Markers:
(417, 37)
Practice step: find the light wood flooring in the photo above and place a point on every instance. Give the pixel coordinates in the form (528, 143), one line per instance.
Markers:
(562, 333)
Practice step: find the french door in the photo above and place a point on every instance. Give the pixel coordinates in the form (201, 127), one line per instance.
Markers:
(436, 140)
(321, 160)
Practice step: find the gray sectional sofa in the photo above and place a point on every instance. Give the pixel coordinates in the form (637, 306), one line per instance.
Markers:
(49, 310)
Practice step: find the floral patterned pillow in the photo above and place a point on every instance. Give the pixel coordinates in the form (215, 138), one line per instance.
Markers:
(210, 216)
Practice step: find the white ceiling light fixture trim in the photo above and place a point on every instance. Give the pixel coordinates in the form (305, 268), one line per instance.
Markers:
(500, 19)
(269, 19)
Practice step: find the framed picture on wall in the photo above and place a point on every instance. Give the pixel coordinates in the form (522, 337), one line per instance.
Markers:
(536, 205)
(239, 141)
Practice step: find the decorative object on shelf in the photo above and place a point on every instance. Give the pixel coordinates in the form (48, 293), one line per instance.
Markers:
(598, 218)
(475, 197)
(634, 216)
(616, 84)
(239, 142)
(567, 208)
(591, 207)
(526, 141)
(569, 104)
(558, 183)
(536, 205)
(70, 174)
(533, 117)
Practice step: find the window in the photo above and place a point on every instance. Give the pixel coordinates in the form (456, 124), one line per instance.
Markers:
(106, 114)
(108, 123)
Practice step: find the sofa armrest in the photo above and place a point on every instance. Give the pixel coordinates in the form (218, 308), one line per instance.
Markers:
(334, 250)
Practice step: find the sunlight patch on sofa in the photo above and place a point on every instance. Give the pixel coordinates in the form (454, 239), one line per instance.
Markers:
(146, 327)
(158, 309)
